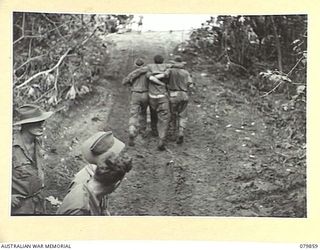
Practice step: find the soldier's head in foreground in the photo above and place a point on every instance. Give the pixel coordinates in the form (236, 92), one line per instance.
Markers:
(107, 152)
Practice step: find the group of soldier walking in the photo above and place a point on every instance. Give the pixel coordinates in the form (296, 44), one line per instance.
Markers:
(161, 86)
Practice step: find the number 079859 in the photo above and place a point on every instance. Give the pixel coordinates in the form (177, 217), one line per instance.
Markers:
(309, 246)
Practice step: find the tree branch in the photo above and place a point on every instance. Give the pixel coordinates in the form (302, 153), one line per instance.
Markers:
(235, 64)
(23, 23)
(277, 43)
(240, 66)
(30, 46)
(20, 77)
(56, 80)
(20, 38)
(290, 72)
(58, 63)
(22, 29)
(56, 27)
(55, 87)
(18, 26)
(43, 95)
(46, 17)
(29, 60)
(45, 71)
(87, 39)
(41, 35)
(272, 89)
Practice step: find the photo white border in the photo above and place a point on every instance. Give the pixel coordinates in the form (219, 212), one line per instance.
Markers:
(162, 228)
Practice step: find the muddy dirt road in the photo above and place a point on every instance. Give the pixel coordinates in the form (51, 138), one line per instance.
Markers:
(227, 165)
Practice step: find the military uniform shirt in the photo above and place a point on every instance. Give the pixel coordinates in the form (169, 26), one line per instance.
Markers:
(137, 80)
(154, 69)
(179, 79)
(80, 201)
(27, 172)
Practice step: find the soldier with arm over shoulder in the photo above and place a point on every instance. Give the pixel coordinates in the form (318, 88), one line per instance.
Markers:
(178, 85)
(139, 100)
(158, 99)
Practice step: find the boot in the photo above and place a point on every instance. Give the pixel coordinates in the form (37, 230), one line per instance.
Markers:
(161, 145)
(154, 132)
(131, 140)
(180, 137)
(132, 131)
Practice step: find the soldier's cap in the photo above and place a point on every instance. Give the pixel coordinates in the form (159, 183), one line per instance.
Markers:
(178, 59)
(99, 145)
(30, 113)
(139, 62)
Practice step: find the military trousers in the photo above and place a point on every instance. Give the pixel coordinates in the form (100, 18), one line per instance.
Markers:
(178, 108)
(160, 112)
(138, 112)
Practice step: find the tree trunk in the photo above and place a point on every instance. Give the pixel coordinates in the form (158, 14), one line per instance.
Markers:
(277, 44)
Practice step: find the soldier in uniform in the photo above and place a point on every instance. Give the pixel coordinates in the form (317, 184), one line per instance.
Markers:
(27, 167)
(148, 90)
(108, 166)
(158, 98)
(178, 85)
(139, 100)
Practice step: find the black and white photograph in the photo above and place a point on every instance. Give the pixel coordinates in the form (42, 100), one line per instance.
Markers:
(126, 114)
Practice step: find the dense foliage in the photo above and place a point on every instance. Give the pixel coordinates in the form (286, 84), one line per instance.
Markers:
(252, 42)
(57, 57)
(266, 59)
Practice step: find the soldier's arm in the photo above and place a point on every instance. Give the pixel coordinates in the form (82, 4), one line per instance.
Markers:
(165, 74)
(138, 72)
(189, 80)
(126, 80)
(134, 74)
(190, 83)
(179, 65)
(159, 76)
(156, 80)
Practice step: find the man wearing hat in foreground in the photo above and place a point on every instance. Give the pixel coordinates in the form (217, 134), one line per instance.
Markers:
(27, 168)
(109, 164)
